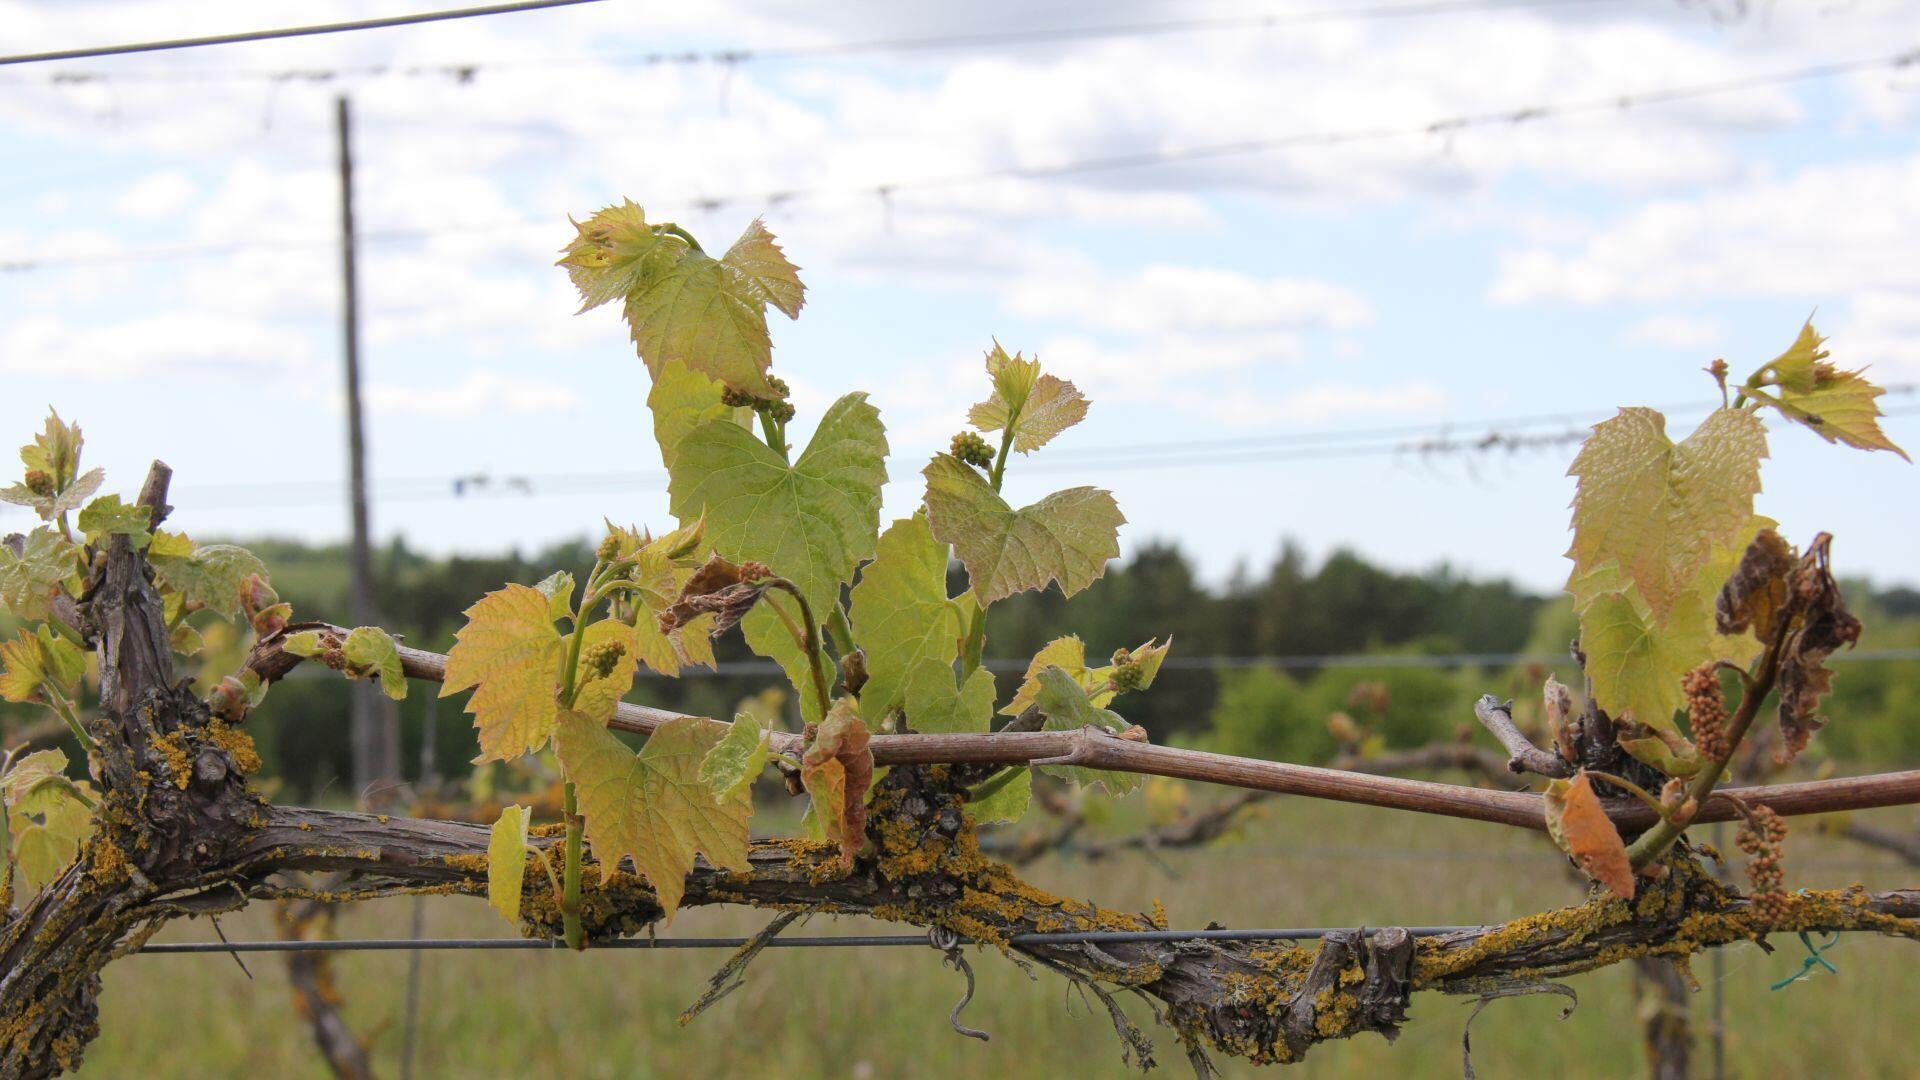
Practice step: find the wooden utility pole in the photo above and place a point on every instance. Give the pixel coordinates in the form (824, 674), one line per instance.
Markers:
(375, 726)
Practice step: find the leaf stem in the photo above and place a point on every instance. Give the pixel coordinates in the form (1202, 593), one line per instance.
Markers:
(775, 437)
(61, 705)
(1654, 843)
(977, 629)
(674, 230)
(808, 639)
(570, 891)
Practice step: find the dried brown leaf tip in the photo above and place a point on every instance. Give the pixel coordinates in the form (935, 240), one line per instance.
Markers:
(1824, 625)
(1757, 594)
(837, 770)
(1579, 824)
(725, 589)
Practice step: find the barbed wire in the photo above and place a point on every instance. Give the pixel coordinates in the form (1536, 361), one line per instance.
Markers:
(463, 71)
(286, 32)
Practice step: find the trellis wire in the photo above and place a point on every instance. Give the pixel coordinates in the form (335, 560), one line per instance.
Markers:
(1066, 937)
(846, 941)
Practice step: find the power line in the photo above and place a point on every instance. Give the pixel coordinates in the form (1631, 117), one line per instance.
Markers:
(464, 71)
(1510, 116)
(287, 32)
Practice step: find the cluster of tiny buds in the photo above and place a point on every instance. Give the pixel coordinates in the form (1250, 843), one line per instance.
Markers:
(609, 549)
(1707, 711)
(1761, 837)
(601, 659)
(971, 448)
(39, 482)
(776, 406)
(1126, 673)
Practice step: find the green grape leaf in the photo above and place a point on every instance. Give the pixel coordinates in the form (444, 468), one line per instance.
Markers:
(936, 706)
(212, 575)
(33, 573)
(1066, 537)
(653, 805)
(307, 643)
(507, 860)
(511, 652)
(186, 640)
(1636, 663)
(681, 303)
(767, 636)
(1006, 803)
(735, 760)
(813, 522)
(54, 484)
(1660, 509)
(837, 769)
(47, 826)
(682, 400)
(1040, 406)
(108, 516)
(1068, 708)
(901, 614)
(374, 651)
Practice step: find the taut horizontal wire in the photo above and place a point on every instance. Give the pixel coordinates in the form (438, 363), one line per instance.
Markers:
(1095, 937)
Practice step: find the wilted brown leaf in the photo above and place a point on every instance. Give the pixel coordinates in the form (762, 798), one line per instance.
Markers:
(1756, 594)
(1581, 827)
(1825, 625)
(837, 769)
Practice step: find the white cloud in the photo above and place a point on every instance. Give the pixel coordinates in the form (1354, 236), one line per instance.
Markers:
(157, 195)
(1824, 231)
(1167, 299)
(1677, 331)
(168, 343)
(479, 392)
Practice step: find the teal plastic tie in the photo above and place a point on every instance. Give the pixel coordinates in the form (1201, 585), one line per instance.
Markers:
(1812, 960)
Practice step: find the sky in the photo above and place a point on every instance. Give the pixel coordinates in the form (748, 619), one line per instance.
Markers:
(1290, 330)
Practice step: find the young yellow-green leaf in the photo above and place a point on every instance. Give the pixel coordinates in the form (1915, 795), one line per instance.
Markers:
(596, 695)
(47, 824)
(38, 660)
(1579, 824)
(1136, 671)
(653, 805)
(901, 614)
(735, 760)
(558, 588)
(52, 503)
(307, 643)
(1068, 708)
(936, 706)
(510, 650)
(1041, 406)
(507, 861)
(209, 574)
(29, 772)
(1841, 407)
(374, 649)
(763, 270)
(1671, 754)
(34, 572)
(1070, 655)
(1066, 537)
(681, 303)
(108, 516)
(837, 771)
(1660, 509)
(1635, 663)
(813, 521)
(186, 640)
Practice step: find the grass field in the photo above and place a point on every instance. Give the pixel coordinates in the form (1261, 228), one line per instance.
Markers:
(883, 1013)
